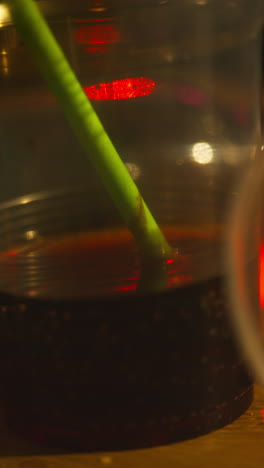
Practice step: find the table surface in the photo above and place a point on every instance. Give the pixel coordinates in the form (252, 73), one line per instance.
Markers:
(240, 444)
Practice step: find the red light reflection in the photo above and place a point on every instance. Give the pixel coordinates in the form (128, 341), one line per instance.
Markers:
(189, 95)
(128, 88)
(97, 33)
(11, 254)
(178, 279)
(131, 287)
(170, 260)
(261, 276)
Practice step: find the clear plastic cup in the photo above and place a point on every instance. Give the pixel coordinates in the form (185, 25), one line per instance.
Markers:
(96, 353)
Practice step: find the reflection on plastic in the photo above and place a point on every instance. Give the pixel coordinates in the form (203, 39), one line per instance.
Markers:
(128, 88)
(97, 34)
(10, 254)
(97, 5)
(190, 95)
(202, 153)
(4, 15)
(30, 235)
(4, 65)
(25, 200)
(261, 276)
(131, 287)
(133, 169)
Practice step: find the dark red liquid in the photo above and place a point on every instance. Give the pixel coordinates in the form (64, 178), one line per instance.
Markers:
(119, 367)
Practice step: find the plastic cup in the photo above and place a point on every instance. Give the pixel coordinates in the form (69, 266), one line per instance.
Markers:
(99, 349)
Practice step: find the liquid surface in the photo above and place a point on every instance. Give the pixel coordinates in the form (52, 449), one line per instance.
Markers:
(85, 264)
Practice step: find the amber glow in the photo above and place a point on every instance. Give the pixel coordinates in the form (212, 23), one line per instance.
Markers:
(4, 15)
(127, 88)
(4, 65)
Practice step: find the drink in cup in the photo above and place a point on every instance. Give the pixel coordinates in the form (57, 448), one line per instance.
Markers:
(103, 348)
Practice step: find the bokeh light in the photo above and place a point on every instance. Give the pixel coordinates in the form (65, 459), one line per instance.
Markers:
(202, 153)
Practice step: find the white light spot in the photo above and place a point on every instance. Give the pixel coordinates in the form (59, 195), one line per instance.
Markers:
(202, 153)
(133, 170)
(31, 235)
(4, 15)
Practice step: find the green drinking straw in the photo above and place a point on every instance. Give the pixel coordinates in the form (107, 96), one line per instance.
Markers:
(61, 79)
